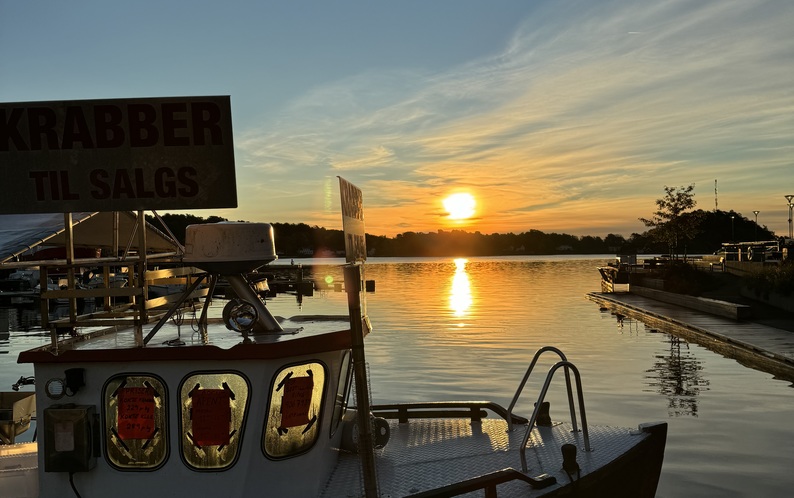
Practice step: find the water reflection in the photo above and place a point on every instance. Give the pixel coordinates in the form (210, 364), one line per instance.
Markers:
(460, 293)
(22, 318)
(26, 318)
(627, 324)
(676, 374)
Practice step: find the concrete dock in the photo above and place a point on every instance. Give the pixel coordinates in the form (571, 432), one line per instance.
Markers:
(753, 344)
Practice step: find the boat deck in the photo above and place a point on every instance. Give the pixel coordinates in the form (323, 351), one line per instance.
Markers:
(425, 454)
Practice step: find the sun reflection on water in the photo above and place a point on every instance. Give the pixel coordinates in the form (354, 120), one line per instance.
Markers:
(460, 293)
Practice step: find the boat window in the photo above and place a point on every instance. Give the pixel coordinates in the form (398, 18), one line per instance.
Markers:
(342, 391)
(294, 414)
(135, 422)
(213, 407)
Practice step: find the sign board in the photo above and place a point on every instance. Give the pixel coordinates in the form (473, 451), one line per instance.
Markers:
(353, 221)
(117, 155)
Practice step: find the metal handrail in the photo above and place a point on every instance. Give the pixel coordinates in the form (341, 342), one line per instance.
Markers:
(488, 483)
(567, 365)
(476, 410)
(538, 353)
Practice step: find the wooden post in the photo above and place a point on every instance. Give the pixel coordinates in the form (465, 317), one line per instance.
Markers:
(141, 280)
(44, 303)
(69, 234)
(366, 447)
(106, 304)
(115, 234)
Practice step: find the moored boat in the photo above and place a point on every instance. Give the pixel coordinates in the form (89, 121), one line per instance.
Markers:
(249, 404)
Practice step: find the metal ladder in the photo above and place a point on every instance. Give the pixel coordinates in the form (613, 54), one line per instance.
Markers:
(568, 367)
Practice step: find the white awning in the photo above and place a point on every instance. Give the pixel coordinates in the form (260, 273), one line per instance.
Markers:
(22, 234)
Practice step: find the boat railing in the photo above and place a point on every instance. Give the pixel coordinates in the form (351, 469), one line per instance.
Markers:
(523, 383)
(487, 483)
(566, 365)
(475, 410)
(136, 308)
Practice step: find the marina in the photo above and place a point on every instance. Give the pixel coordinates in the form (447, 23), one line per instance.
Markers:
(726, 419)
(247, 399)
(139, 393)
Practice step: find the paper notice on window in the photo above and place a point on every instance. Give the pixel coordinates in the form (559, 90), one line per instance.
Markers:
(211, 417)
(296, 401)
(136, 412)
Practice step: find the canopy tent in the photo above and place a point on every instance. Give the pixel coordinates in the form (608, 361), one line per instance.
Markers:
(25, 233)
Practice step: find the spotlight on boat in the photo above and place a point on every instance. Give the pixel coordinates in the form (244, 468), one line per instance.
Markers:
(231, 250)
(240, 315)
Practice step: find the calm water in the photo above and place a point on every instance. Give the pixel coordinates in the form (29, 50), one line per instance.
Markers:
(468, 331)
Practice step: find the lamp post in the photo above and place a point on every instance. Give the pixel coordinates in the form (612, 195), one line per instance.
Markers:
(790, 207)
(756, 224)
(733, 237)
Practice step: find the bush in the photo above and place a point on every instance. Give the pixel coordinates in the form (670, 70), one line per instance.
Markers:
(683, 278)
(774, 279)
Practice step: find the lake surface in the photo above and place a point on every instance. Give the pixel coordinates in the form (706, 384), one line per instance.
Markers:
(447, 330)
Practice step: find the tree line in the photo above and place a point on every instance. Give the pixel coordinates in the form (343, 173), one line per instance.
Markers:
(700, 232)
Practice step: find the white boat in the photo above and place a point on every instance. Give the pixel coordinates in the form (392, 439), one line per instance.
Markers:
(254, 405)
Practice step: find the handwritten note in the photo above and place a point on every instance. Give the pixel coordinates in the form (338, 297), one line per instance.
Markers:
(211, 416)
(296, 401)
(136, 413)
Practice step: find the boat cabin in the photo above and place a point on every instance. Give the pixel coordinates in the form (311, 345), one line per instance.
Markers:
(190, 403)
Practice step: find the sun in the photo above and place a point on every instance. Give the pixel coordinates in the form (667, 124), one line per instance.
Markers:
(460, 206)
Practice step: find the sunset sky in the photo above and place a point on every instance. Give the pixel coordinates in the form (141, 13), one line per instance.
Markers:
(555, 115)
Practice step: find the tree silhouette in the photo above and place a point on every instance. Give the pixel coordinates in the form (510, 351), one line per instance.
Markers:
(668, 223)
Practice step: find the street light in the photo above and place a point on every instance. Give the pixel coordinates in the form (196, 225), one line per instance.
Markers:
(733, 237)
(790, 207)
(756, 224)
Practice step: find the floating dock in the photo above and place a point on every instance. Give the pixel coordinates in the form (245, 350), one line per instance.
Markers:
(758, 346)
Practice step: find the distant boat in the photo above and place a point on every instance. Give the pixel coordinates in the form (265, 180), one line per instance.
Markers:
(770, 251)
(22, 287)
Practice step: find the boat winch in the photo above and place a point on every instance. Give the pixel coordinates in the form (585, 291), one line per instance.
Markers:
(230, 250)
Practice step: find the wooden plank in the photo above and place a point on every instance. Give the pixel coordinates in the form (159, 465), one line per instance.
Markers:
(78, 293)
(172, 298)
(172, 272)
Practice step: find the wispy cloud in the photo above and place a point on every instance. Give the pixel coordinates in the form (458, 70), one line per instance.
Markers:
(590, 109)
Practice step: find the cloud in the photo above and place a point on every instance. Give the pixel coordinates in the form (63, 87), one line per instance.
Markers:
(590, 109)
